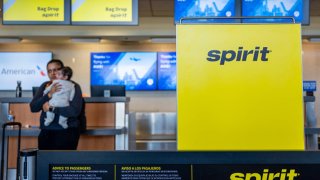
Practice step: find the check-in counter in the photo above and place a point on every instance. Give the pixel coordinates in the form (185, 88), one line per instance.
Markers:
(155, 130)
(107, 124)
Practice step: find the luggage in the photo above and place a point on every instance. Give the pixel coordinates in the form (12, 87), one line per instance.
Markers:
(2, 148)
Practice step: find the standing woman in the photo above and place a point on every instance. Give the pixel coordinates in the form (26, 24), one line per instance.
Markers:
(54, 136)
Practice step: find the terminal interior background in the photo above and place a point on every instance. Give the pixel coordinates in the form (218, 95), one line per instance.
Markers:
(155, 33)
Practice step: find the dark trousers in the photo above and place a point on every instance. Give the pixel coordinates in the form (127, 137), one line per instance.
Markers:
(66, 139)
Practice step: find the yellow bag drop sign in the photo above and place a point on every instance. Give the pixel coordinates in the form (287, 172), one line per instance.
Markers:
(33, 10)
(102, 10)
(239, 87)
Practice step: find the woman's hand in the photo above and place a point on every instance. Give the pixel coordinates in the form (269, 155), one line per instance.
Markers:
(56, 87)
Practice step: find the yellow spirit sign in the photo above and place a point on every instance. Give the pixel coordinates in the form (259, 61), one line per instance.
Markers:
(239, 87)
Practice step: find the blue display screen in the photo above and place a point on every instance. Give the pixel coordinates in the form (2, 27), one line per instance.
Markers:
(309, 86)
(167, 78)
(135, 70)
(204, 8)
(293, 8)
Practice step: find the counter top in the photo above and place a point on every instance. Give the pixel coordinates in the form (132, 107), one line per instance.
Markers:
(86, 99)
(103, 131)
(91, 131)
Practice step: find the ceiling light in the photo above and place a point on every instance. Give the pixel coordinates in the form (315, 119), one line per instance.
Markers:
(127, 38)
(163, 40)
(10, 40)
(85, 40)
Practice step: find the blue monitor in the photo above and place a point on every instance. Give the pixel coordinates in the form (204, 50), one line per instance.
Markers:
(204, 8)
(298, 9)
(167, 78)
(135, 70)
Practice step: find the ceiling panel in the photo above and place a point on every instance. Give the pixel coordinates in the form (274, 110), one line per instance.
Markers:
(156, 8)
(162, 5)
(144, 8)
(314, 8)
(162, 8)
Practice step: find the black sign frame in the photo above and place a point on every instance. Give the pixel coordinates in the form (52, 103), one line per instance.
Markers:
(303, 164)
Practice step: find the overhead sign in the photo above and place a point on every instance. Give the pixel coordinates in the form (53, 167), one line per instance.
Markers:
(101, 12)
(36, 12)
(298, 9)
(239, 87)
(207, 8)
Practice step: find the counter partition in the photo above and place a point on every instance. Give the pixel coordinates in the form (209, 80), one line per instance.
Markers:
(107, 124)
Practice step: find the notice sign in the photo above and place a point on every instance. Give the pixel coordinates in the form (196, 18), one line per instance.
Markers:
(24, 11)
(178, 165)
(186, 172)
(149, 172)
(93, 172)
(123, 172)
(101, 11)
